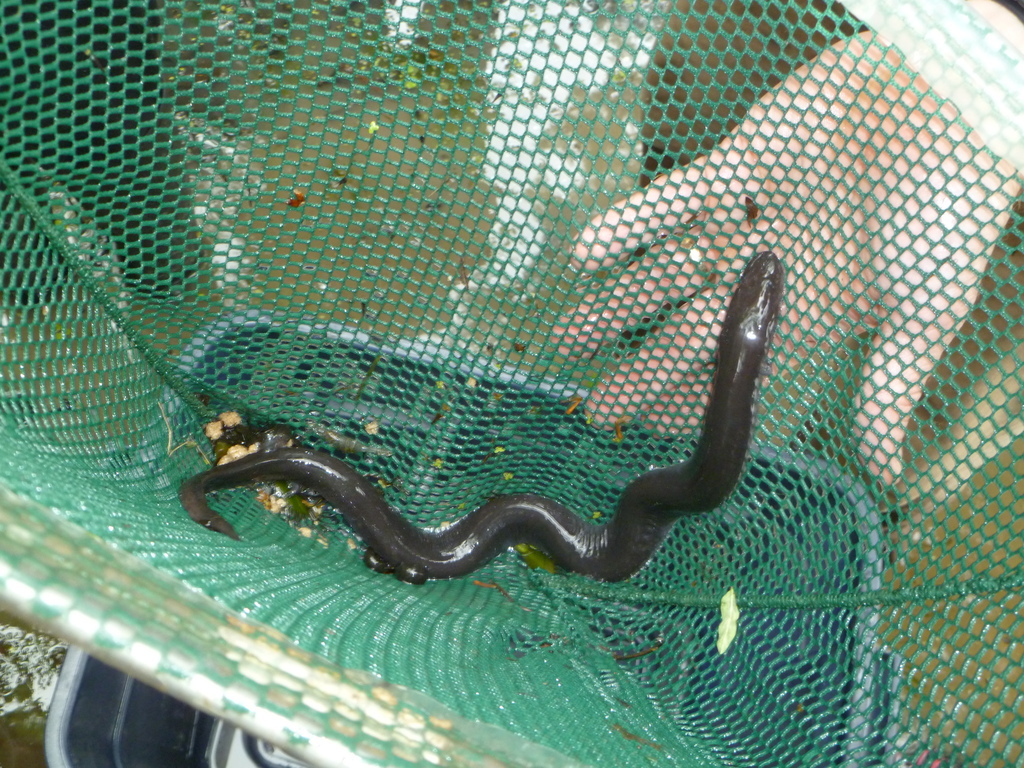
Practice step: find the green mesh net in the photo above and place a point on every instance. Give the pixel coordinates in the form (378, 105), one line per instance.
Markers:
(485, 247)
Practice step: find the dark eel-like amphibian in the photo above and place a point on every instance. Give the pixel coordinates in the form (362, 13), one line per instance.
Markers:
(647, 509)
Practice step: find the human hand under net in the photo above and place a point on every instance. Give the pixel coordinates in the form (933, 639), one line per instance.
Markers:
(882, 205)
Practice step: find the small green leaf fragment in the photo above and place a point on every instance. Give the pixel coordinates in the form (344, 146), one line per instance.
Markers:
(298, 507)
(730, 621)
(534, 558)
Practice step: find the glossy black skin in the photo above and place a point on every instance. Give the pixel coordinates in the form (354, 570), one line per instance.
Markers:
(647, 509)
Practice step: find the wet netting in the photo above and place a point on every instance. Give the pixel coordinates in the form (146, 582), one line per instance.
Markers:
(476, 248)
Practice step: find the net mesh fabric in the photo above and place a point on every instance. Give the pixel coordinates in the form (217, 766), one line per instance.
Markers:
(403, 223)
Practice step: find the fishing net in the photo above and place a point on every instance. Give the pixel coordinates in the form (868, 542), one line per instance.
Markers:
(484, 247)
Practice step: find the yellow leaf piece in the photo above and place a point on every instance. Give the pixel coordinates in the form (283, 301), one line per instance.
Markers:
(534, 558)
(499, 449)
(437, 463)
(507, 475)
(439, 384)
(730, 621)
(372, 128)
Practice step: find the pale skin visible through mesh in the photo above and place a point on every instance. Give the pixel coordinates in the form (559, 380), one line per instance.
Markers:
(882, 205)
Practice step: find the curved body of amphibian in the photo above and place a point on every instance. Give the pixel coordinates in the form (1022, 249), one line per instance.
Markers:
(647, 508)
